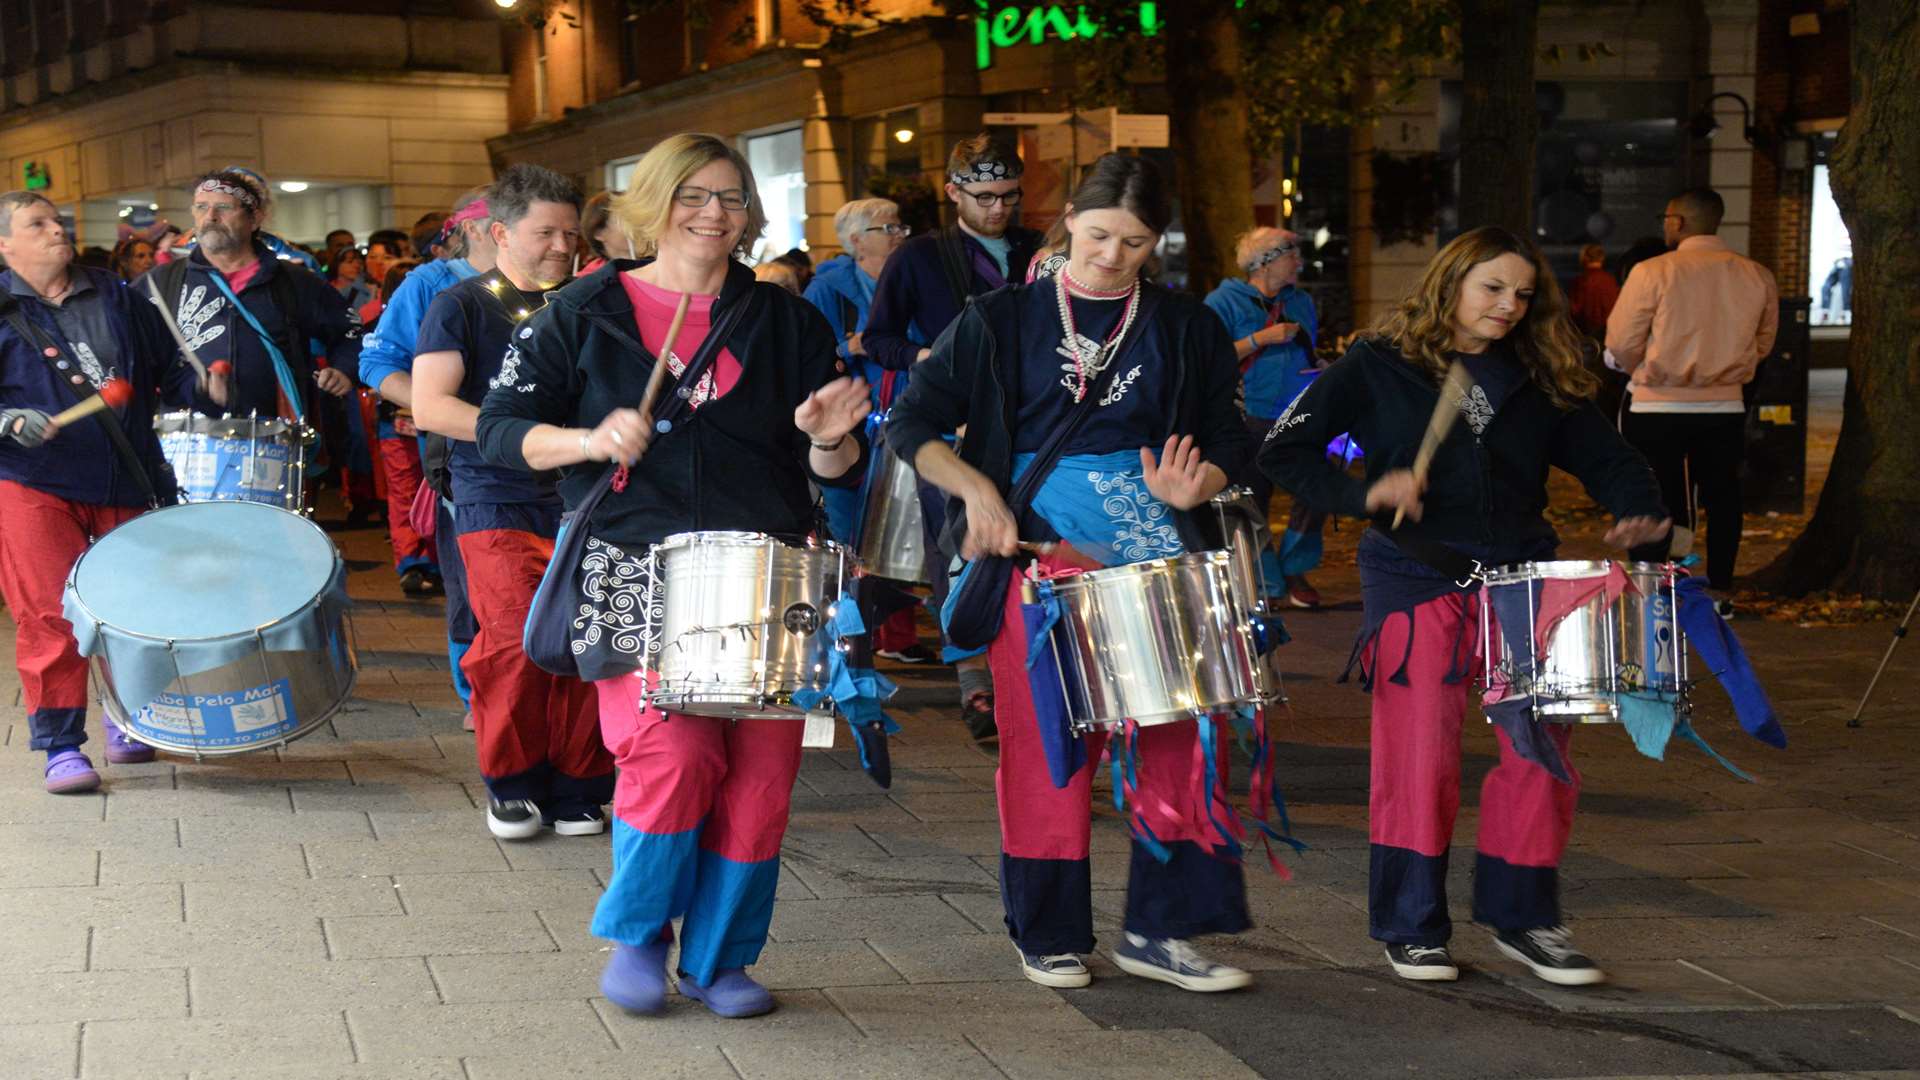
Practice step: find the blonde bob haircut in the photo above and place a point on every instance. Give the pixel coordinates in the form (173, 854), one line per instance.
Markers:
(644, 208)
(1420, 326)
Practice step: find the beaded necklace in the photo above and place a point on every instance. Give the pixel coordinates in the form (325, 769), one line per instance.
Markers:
(1088, 364)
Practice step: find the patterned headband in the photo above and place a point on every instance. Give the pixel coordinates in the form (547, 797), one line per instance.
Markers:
(986, 171)
(247, 196)
(1286, 247)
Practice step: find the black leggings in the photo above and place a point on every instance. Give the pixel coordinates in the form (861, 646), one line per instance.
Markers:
(1706, 448)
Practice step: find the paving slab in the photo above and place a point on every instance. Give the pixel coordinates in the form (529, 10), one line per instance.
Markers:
(951, 958)
(1636, 986)
(964, 1008)
(1812, 896)
(418, 855)
(299, 828)
(831, 879)
(272, 985)
(1111, 1055)
(51, 1050)
(558, 976)
(1807, 980)
(102, 995)
(863, 917)
(94, 905)
(110, 1047)
(236, 860)
(434, 1069)
(803, 1016)
(479, 1029)
(179, 945)
(802, 965)
(24, 840)
(43, 866)
(48, 946)
(434, 894)
(363, 936)
(925, 1056)
(290, 900)
(703, 1062)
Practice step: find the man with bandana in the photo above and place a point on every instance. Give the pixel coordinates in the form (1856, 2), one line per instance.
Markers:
(1274, 325)
(65, 331)
(920, 293)
(537, 735)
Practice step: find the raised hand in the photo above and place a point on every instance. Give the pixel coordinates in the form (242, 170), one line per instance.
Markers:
(1398, 490)
(1179, 478)
(833, 410)
(1634, 531)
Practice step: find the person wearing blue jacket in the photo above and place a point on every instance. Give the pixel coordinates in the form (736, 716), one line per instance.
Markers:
(65, 332)
(842, 288)
(1274, 327)
(386, 365)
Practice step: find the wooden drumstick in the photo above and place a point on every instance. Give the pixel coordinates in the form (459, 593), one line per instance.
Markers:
(1453, 390)
(166, 315)
(657, 379)
(114, 393)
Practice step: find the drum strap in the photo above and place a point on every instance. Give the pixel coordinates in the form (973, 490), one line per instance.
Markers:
(1461, 570)
(53, 351)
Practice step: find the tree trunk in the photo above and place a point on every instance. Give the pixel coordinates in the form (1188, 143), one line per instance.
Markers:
(1498, 118)
(1864, 536)
(1209, 135)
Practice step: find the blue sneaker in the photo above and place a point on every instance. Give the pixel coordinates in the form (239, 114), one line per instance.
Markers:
(1061, 970)
(731, 994)
(1171, 960)
(636, 977)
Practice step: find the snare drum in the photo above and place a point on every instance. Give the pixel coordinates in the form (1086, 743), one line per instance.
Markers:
(1153, 642)
(215, 628)
(236, 459)
(891, 544)
(1598, 650)
(742, 624)
(1244, 529)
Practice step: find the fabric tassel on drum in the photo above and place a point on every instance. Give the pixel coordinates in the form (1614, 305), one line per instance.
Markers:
(856, 690)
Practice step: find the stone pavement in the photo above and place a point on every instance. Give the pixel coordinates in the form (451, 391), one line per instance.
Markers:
(336, 909)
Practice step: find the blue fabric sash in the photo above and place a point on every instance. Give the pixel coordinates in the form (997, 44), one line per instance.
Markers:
(282, 371)
(1100, 504)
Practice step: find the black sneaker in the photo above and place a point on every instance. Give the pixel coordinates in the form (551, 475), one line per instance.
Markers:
(414, 583)
(588, 822)
(515, 819)
(915, 653)
(1422, 963)
(977, 713)
(1549, 953)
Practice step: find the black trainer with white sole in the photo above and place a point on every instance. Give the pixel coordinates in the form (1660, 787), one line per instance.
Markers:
(514, 819)
(1549, 953)
(1422, 963)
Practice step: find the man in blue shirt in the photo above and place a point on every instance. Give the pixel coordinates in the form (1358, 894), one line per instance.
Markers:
(1274, 327)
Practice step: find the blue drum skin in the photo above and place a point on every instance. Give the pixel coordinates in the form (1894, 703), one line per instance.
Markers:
(215, 628)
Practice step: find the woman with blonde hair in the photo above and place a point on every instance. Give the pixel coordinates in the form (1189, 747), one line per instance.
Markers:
(700, 804)
(1489, 302)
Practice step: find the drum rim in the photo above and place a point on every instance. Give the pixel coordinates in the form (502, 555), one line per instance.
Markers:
(197, 424)
(1137, 569)
(743, 538)
(312, 602)
(1511, 573)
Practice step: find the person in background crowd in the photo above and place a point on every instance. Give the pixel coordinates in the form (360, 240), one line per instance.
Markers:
(346, 272)
(779, 273)
(95, 258)
(537, 735)
(386, 364)
(870, 232)
(398, 445)
(599, 234)
(1274, 326)
(1647, 247)
(133, 257)
(1489, 302)
(240, 303)
(802, 265)
(429, 236)
(279, 248)
(1691, 328)
(1594, 292)
(65, 331)
(384, 248)
(700, 804)
(922, 290)
(337, 239)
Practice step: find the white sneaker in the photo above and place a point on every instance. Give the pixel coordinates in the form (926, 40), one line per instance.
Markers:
(1063, 970)
(1422, 963)
(515, 819)
(591, 822)
(1171, 960)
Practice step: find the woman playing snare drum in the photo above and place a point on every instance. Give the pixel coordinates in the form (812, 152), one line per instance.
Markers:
(1489, 302)
(1161, 433)
(700, 804)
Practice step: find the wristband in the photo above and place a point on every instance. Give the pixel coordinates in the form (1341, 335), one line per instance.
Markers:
(828, 448)
(586, 445)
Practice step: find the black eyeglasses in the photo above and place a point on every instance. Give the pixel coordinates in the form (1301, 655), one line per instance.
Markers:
(893, 228)
(988, 198)
(694, 198)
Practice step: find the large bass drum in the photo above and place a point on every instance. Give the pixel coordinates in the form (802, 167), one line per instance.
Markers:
(1596, 651)
(215, 628)
(1153, 642)
(241, 458)
(742, 625)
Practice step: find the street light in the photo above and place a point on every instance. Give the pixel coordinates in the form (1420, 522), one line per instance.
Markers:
(904, 135)
(505, 5)
(293, 187)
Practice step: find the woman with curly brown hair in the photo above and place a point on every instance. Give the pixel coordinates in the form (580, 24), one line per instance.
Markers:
(1488, 302)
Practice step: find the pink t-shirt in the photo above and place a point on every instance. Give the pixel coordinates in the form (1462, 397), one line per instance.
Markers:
(237, 281)
(653, 309)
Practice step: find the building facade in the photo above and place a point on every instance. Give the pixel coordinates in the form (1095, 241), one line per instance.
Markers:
(363, 115)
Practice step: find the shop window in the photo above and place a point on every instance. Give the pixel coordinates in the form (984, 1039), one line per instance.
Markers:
(620, 173)
(1830, 251)
(778, 162)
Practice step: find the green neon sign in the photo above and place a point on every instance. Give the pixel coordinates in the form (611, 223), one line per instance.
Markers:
(36, 176)
(1031, 24)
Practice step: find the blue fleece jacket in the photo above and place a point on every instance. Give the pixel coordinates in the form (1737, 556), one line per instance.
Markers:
(1273, 378)
(388, 349)
(840, 288)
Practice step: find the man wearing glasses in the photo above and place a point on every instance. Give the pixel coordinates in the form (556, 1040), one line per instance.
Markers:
(921, 292)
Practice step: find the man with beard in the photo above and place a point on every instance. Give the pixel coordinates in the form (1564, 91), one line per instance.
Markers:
(65, 331)
(235, 301)
(922, 290)
(537, 735)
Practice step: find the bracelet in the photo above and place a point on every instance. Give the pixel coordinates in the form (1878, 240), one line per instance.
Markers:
(586, 444)
(828, 448)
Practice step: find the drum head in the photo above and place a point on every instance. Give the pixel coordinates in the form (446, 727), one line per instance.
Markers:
(205, 570)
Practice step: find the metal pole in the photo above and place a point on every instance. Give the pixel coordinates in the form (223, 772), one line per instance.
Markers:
(1898, 633)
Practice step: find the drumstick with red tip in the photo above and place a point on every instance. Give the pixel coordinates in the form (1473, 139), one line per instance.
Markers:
(173, 327)
(113, 393)
(1453, 390)
(657, 379)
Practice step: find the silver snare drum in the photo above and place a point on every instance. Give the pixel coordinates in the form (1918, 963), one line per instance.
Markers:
(236, 459)
(742, 625)
(1244, 529)
(1599, 650)
(1153, 642)
(891, 544)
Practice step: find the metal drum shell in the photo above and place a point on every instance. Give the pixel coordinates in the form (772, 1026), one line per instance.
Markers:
(178, 433)
(1154, 642)
(319, 680)
(892, 543)
(1242, 529)
(1598, 650)
(722, 647)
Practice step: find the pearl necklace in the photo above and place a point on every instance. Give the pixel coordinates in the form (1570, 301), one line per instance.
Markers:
(1089, 366)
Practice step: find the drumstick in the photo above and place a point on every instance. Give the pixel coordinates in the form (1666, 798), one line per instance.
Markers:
(657, 380)
(113, 392)
(166, 315)
(1445, 412)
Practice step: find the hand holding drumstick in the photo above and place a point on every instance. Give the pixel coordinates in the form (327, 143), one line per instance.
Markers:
(625, 434)
(1401, 488)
